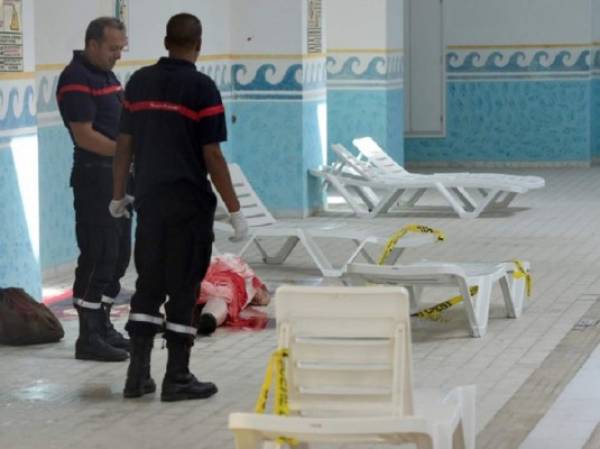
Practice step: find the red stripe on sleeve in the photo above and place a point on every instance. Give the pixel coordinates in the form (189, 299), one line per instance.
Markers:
(173, 107)
(213, 110)
(87, 90)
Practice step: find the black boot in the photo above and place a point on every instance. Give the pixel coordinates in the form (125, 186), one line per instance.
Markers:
(113, 337)
(91, 344)
(138, 381)
(179, 384)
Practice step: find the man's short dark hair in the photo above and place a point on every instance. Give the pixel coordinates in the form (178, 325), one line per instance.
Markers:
(184, 30)
(95, 30)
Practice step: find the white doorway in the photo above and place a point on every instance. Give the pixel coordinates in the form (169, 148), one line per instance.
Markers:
(425, 74)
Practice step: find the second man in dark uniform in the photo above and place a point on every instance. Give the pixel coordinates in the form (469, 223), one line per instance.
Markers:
(172, 123)
(89, 98)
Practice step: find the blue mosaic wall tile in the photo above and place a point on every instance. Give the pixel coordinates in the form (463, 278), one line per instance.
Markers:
(394, 143)
(375, 113)
(57, 218)
(269, 148)
(18, 264)
(511, 121)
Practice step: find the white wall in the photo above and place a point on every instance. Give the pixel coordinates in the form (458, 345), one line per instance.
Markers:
(148, 19)
(60, 26)
(475, 22)
(357, 24)
(267, 26)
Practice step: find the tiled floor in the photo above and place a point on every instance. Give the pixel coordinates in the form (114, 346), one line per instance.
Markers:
(574, 415)
(49, 400)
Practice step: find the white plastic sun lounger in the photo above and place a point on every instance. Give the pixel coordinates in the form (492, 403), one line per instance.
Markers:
(264, 226)
(348, 377)
(416, 276)
(364, 185)
(382, 161)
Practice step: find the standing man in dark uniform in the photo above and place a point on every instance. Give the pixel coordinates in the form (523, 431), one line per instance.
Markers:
(172, 123)
(89, 98)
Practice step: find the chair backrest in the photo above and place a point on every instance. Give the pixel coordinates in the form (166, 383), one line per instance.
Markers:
(347, 159)
(252, 207)
(378, 157)
(349, 350)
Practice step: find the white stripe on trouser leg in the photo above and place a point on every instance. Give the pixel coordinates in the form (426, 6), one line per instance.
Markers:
(180, 328)
(143, 318)
(107, 300)
(86, 304)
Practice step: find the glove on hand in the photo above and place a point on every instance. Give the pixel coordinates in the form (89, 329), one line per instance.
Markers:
(118, 208)
(240, 226)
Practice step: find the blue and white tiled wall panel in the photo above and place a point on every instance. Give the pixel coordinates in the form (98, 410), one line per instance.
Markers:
(275, 143)
(365, 96)
(513, 105)
(276, 132)
(19, 238)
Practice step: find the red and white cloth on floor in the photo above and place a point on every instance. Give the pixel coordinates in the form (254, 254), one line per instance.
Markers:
(229, 287)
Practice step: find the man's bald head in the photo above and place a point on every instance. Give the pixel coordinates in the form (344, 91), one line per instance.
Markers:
(184, 31)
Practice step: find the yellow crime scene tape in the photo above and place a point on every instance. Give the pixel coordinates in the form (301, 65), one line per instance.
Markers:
(435, 313)
(420, 229)
(276, 369)
(520, 273)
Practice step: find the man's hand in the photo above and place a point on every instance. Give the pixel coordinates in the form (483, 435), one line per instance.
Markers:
(118, 208)
(240, 226)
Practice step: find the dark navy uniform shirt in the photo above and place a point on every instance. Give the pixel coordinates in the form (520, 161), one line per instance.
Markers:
(171, 110)
(86, 93)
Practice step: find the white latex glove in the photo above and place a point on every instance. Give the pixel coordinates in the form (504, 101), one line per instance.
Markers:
(240, 226)
(118, 208)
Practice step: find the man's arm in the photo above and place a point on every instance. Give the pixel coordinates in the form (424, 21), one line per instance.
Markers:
(88, 138)
(219, 174)
(121, 164)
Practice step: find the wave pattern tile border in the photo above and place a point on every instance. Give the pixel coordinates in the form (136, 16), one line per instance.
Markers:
(17, 109)
(376, 70)
(236, 79)
(518, 63)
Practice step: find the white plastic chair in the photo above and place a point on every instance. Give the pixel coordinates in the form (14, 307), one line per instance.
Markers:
(416, 276)
(263, 225)
(349, 376)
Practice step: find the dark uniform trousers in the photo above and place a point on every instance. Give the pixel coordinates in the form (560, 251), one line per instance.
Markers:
(173, 248)
(104, 242)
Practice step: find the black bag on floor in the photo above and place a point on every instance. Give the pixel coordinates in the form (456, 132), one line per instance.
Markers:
(24, 321)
